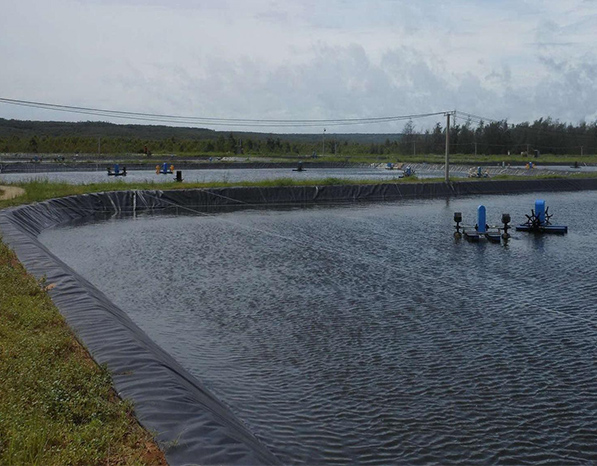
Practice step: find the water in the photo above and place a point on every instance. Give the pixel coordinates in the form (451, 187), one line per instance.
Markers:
(367, 334)
(565, 168)
(220, 175)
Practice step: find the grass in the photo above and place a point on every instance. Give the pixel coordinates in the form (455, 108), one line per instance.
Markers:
(517, 159)
(56, 405)
(132, 159)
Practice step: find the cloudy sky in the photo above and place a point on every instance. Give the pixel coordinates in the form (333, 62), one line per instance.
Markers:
(302, 59)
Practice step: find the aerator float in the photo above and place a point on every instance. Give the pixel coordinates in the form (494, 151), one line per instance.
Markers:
(116, 171)
(538, 221)
(481, 230)
(164, 169)
(406, 171)
(478, 173)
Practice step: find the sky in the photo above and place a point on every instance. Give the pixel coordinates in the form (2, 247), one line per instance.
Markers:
(518, 60)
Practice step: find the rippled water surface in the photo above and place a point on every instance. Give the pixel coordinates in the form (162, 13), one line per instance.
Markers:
(367, 334)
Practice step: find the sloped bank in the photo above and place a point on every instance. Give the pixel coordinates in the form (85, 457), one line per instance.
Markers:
(191, 424)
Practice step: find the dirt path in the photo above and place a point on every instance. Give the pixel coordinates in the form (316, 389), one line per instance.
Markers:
(9, 192)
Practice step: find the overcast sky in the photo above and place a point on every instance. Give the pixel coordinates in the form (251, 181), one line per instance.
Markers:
(302, 59)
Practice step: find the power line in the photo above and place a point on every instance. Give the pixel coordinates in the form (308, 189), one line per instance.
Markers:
(164, 118)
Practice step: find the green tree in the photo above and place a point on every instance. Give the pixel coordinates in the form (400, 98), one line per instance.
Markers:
(33, 144)
(407, 142)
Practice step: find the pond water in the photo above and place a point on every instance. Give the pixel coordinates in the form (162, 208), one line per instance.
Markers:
(569, 168)
(221, 175)
(366, 334)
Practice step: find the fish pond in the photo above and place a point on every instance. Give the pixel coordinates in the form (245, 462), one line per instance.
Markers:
(366, 333)
(230, 175)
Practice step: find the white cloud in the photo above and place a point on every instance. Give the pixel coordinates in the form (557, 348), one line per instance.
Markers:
(307, 59)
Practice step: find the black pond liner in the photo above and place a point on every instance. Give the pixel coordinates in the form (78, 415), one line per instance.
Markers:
(191, 425)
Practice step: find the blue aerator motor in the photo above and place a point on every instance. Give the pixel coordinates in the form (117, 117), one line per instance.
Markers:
(540, 210)
(481, 219)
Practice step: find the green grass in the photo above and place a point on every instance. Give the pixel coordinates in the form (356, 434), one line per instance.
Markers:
(56, 405)
(156, 158)
(543, 159)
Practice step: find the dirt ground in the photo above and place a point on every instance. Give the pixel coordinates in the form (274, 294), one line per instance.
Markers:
(9, 192)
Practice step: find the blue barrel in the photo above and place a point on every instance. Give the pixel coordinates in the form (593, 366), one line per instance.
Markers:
(116, 169)
(165, 167)
(540, 210)
(481, 219)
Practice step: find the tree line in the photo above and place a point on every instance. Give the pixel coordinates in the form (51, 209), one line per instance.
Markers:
(499, 137)
(486, 138)
(229, 145)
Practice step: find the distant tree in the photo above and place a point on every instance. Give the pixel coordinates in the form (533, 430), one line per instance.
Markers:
(270, 144)
(438, 139)
(33, 144)
(407, 140)
(231, 145)
(221, 144)
(466, 138)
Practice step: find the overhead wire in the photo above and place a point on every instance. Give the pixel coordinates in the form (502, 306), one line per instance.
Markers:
(166, 118)
(289, 123)
(274, 122)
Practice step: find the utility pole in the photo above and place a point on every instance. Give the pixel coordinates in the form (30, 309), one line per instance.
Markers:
(581, 150)
(99, 146)
(323, 143)
(447, 147)
(414, 148)
(528, 149)
(475, 150)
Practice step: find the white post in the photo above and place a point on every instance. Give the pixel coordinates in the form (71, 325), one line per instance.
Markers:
(447, 147)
